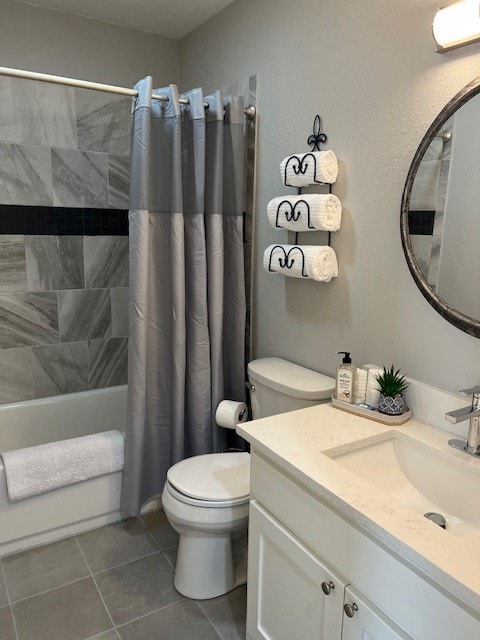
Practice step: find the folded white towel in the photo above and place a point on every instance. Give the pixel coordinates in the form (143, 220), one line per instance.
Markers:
(313, 211)
(35, 470)
(373, 391)
(360, 385)
(318, 263)
(303, 169)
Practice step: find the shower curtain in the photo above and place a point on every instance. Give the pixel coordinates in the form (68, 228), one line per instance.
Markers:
(187, 289)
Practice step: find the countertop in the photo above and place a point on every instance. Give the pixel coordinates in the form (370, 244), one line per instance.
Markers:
(299, 443)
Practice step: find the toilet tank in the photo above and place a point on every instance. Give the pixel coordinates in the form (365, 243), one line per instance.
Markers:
(278, 386)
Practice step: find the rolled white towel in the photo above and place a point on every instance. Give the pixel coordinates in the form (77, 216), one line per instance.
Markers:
(35, 470)
(318, 263)
(302, 169)
(313, 211)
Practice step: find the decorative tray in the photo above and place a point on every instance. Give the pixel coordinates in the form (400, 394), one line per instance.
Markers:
(372, 414)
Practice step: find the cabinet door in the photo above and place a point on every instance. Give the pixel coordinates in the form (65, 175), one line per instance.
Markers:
(366, 621)
(291, 594)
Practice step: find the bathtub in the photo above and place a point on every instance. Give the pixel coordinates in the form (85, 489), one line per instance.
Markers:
(73, 509)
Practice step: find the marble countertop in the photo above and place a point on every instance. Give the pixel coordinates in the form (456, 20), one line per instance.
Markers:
(300, 443)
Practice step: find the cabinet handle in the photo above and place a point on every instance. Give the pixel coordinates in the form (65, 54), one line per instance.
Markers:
(350, 609)
(327, 587)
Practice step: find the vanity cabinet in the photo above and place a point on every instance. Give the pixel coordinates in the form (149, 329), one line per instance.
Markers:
(365, 622)
(310, 568)
(293, 594)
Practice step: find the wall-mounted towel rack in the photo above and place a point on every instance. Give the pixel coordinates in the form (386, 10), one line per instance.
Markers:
(315, 139)
(306, 211)
(299, 191)
(288, 261)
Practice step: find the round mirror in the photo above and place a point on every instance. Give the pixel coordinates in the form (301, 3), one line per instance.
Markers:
(440, 219)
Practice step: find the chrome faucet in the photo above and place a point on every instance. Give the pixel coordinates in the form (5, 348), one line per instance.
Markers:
(472, 413)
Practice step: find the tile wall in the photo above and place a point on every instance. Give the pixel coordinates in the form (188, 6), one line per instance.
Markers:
(63, 147)
(64, 182)
(63, 314)
(427, 206)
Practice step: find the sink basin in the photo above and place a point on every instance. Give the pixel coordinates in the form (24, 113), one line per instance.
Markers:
(422, 477)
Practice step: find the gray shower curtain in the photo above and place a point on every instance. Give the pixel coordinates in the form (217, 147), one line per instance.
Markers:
(187, 289)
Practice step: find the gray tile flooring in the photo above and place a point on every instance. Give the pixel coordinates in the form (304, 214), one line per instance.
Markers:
(113, 583)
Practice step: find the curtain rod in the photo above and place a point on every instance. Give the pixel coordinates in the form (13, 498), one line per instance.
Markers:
(107, 88)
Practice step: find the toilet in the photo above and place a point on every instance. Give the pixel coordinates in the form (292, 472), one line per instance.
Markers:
(206, 497)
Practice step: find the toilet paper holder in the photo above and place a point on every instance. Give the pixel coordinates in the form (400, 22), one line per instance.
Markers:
(230, 412)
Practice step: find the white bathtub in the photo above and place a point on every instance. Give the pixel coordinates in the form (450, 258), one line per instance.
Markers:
(72, 509)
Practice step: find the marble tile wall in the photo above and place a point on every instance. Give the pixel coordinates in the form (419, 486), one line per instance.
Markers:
(63, 314)
(63, 147)
(63, 296)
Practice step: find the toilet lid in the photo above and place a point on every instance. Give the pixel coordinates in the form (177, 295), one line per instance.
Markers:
(219, 477)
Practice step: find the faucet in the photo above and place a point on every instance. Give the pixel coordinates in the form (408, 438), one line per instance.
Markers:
(472, 413)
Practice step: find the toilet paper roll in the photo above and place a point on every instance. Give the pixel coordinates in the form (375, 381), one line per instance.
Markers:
(229, 413)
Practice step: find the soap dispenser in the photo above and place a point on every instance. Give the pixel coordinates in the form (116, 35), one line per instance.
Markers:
(345, 389)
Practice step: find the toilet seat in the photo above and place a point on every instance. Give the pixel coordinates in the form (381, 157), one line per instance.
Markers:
(211, 480)
(196, 502)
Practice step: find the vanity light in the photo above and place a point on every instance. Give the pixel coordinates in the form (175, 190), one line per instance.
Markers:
(456, 25)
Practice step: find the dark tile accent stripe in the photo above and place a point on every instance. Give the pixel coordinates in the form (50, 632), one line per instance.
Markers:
(421, 222)
(62, 221)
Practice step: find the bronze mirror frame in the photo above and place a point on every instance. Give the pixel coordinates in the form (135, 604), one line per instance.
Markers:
(452, 315)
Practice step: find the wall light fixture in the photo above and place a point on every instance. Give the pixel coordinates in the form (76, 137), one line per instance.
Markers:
(456, 25)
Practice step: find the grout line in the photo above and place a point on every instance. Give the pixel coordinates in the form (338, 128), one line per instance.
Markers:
(98, 635)
(197, 602)
(145, 615)
(157, 544)
(95, 583)
(122, 564)
(162, 549)
(167, 558)
(150, 533)
(7, 590)
(41, 593)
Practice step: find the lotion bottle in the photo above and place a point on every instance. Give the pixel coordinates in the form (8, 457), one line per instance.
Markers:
(345, 389)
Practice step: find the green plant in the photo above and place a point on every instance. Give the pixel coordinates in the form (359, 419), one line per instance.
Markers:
(390, 382)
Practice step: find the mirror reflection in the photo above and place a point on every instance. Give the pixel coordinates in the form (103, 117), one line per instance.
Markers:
(444, 211)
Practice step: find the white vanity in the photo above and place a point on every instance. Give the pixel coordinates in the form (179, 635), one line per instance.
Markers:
(338, 544)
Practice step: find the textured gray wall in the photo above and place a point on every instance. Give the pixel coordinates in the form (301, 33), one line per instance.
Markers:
(369, 68)
(38, 39)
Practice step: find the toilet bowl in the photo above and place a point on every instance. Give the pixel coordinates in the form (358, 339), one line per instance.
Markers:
(206, 497)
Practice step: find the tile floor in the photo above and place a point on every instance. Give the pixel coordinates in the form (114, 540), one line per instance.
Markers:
(113, 583)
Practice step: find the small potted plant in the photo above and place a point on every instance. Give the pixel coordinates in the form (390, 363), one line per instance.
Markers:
(391, 386)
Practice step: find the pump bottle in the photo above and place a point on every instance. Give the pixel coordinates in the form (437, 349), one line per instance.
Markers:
(345, 389)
